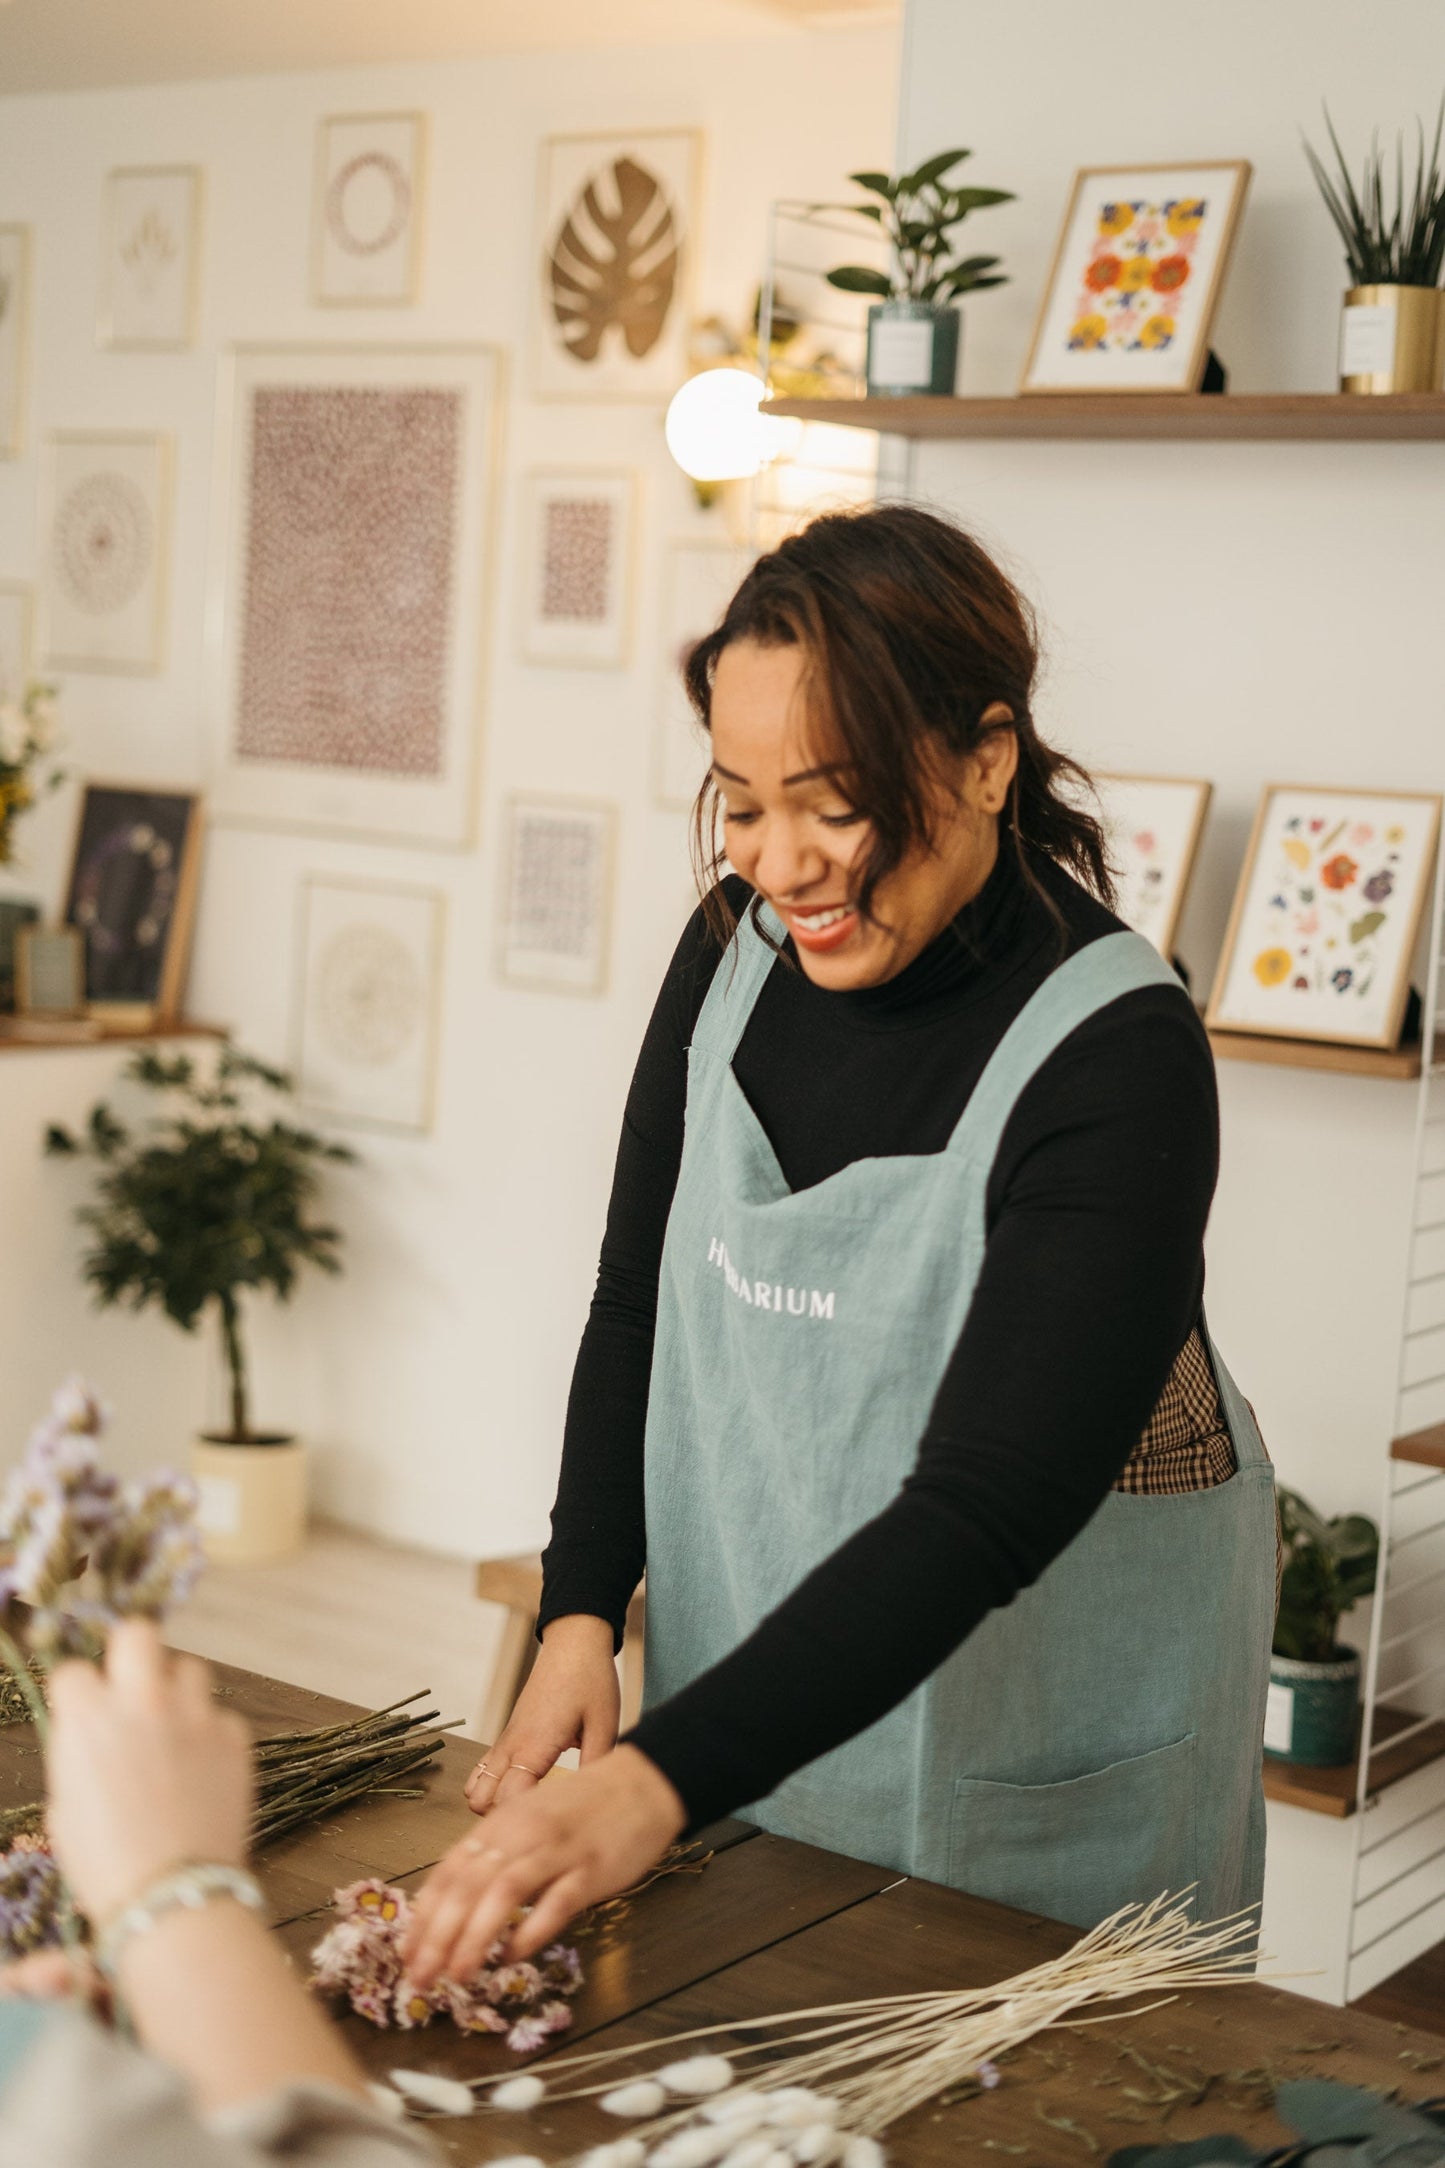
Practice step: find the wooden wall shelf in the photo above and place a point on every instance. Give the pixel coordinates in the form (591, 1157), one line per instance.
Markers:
(38, 1039)
(1400, 1063)
(1333, 1791)
(1253, 417)
(1423, 1448)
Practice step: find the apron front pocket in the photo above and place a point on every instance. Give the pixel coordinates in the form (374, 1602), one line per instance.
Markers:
(1079, 1850)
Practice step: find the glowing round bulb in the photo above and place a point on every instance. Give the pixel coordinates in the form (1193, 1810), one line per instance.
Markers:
(714, 429)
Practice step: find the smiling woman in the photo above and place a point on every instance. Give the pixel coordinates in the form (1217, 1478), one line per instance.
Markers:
(959, 1538)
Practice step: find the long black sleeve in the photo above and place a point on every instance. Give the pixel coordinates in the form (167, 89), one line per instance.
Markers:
(1092, 1280)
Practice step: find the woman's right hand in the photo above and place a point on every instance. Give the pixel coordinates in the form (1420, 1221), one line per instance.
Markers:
(571, 1699)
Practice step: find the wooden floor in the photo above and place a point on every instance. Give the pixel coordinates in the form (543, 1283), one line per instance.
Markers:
(349, 1616)
(1414, 1996)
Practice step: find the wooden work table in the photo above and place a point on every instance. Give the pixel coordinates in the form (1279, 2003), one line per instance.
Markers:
(767, 1926)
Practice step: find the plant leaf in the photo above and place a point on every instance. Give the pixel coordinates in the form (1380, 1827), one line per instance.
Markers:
(932, 169)
(877, 184)
(853, 278)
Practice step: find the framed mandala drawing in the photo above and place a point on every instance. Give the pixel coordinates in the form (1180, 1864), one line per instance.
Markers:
(348, 587)
(699, 580)
(14, 333)
(105, 530)
(366, 245)
(131, 896)
(366, 1024)
(615, 264)
(1326, 916)
(577, 564)
(150, 264)
(14, 638)
(1152, 824)
(558, 902)
(1136, 278)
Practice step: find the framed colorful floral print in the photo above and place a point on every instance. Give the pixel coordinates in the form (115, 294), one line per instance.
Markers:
(1136, 278)
(1153, 824)
(1326, 915)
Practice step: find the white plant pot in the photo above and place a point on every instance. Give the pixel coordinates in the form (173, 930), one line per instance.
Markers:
(253, 1498)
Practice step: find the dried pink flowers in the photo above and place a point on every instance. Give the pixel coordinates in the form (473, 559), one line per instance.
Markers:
(360, 1958)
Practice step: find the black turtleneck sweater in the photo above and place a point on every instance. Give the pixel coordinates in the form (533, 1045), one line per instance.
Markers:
(1092, 1280)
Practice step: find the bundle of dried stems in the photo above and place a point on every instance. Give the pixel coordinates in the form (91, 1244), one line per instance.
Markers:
(857, 2067)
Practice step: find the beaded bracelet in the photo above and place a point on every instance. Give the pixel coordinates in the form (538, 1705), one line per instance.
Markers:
(186, 1888)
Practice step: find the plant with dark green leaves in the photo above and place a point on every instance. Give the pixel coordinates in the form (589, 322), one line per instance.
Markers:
(1406, 248)
(205, 1201)
(917, 212)
(1328, 1567)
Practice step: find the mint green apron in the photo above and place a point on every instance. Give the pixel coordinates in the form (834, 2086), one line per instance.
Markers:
(1098, 1741)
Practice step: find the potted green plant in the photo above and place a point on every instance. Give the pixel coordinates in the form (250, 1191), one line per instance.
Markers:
(914, 330)
(207, 1201)
(1392, 337)
(1314, 1683)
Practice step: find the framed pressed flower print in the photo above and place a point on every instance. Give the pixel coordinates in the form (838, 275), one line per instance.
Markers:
(1326, 915)
(1136, 278)
(1152, 824)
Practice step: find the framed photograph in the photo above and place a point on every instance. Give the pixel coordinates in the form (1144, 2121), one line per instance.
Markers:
(14, 336)
(1152, 824)
(1326, 915)
(699, 580)
(348, 588)
(150, 261)
(370, 978)
(131, 896)
(366, 226)
(106, 541)
(1136, 278)
(49, 971)
(616, 255)
(559, 895)
(15, 639)
(577, 557)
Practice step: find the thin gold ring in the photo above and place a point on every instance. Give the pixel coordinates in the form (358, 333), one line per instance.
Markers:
(524, 1769)
(482, 1770)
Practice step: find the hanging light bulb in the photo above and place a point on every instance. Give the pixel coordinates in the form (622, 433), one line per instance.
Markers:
(715, 432)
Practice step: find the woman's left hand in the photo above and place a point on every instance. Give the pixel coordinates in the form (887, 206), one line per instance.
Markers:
(558, 1847)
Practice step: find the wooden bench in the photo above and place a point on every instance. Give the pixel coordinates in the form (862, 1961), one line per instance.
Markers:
(516, 1584)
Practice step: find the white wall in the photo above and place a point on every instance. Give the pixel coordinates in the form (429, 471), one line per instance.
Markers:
(1242, 612)
(433, 1377)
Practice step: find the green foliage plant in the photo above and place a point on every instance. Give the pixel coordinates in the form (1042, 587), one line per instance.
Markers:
(918, 212)
(1406, 248)
(205, 1201)
(1328, 1567)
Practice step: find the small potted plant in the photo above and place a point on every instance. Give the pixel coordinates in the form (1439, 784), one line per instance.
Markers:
(27, 740)
(1392, 337)
(914, 331)
(1314, 1683)
(207, 1201)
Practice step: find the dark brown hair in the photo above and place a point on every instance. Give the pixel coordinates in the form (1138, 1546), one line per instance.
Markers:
(910, 633)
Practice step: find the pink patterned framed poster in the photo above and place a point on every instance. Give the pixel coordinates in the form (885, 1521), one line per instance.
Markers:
(349, 588)
(577, 566)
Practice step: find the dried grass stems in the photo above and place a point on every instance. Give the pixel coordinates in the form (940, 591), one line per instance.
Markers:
(303, 1775)
(880, 2057)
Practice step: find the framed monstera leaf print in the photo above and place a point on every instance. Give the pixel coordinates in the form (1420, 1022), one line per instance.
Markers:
(1327, 915)
(1136, 278)
(616, 254)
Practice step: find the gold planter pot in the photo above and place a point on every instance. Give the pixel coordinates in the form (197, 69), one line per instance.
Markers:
(1392, 338)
